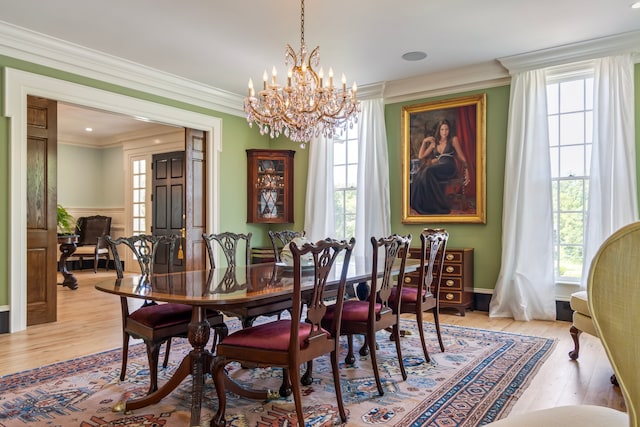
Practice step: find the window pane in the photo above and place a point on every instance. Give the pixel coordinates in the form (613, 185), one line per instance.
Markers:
(554, 130)
(555, 162)
(352, 148)
(352, 176)
(572, 129)
(339, 153)
(572, 161)
(571, 195)
(571, 96)
(339, 176)
(570, 262)
(350, 201)
(552, 98)
(589, 94)
(143, 180)
(571, 228)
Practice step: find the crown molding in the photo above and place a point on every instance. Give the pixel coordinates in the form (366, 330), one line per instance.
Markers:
(474, 77)
(574, 52)
(30, 46)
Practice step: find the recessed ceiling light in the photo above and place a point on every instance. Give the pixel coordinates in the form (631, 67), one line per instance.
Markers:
(636, 5)
(414, 56)
(89, 129)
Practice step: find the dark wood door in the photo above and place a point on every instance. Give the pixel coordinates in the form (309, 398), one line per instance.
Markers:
(169, 177)
(195, 200)
(42, 249)
(179, 202)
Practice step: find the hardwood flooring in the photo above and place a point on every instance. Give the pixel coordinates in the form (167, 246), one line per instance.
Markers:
(89, 322)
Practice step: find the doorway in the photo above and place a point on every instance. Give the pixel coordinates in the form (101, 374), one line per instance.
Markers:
(19, 84)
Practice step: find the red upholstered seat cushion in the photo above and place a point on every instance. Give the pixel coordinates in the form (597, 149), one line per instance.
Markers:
(352, 311)
(408, 295)
(268, 336)
(162, 315)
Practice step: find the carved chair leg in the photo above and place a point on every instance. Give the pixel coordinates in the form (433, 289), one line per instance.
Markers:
(575, 334)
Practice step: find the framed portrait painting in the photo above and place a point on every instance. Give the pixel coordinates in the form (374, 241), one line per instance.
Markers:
(443, 161)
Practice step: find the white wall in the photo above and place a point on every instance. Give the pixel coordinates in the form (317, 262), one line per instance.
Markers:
(90, 177)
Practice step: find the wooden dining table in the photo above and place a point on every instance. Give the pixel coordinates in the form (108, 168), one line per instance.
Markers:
(242, 291)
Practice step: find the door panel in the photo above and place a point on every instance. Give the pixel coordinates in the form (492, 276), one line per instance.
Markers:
(195, 201)
(168, 196)
(42, 248)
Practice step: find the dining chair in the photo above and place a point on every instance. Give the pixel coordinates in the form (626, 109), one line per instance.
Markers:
(289, 343)
(613, 293)
(230, 244)
(154, 323)
(417, 300)
(281, 238)
(377, 312)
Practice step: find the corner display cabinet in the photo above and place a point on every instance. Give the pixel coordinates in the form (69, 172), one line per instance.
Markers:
(270, 186)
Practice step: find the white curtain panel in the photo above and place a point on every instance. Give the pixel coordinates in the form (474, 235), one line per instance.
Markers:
(373, 216)
(525, 288)
(319, 220)
(612, 190)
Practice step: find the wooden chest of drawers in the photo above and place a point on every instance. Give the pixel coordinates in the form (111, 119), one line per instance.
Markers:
(456, 287)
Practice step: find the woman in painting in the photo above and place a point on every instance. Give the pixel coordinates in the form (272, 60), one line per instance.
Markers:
(438, 156)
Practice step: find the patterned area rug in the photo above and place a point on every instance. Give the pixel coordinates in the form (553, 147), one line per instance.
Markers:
(477, 380)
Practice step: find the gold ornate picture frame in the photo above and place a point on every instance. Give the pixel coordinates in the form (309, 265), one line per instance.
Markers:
(444, 161)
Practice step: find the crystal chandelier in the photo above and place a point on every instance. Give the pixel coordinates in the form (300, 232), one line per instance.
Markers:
(308, 104)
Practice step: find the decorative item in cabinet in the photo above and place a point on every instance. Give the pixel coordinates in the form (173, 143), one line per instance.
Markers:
(456, 287)
(270, 186)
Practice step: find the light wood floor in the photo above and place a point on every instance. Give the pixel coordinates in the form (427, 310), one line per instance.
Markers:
(89, 322)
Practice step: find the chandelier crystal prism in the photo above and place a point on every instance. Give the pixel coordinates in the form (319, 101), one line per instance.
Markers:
(307, 104)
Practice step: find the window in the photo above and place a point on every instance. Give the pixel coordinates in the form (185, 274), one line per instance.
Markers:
(139, 189)
(345, 179)
(570, 116)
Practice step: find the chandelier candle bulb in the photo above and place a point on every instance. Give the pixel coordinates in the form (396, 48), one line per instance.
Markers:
(265, 77)
(250, 87)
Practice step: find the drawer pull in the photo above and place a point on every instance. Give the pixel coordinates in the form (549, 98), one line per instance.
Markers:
(449, 269)
(449, 257)
(449, 282)
(407, 280)
(449, 297)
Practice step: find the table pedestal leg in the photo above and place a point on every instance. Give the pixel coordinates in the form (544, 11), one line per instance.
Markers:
(197, 363)
(70, 281)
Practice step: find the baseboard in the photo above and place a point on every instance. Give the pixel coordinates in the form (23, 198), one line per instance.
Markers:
(4, 322)
(563, 310)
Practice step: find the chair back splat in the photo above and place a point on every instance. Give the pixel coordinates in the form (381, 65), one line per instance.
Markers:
(288, 343)
(281, 238)
(230, 243)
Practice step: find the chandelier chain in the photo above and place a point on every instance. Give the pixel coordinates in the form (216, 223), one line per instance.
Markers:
(302, 24)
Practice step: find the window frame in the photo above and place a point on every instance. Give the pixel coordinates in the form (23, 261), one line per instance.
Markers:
(582, 73)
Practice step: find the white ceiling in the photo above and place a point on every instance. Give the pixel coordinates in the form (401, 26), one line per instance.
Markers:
(222, 43)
